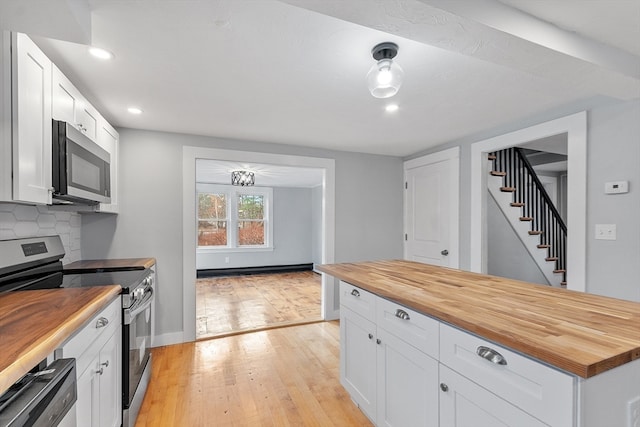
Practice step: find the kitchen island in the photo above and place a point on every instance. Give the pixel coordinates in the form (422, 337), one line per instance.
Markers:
(541, 355)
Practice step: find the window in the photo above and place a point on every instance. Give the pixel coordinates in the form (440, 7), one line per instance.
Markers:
(234, 218)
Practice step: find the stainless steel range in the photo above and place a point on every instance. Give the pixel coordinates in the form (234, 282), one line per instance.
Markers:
(34, 263)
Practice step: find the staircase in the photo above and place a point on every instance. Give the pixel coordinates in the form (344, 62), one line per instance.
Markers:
(526, 205)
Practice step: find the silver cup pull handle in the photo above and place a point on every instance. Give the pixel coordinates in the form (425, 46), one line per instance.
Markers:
(401, 314)
(102, 322)
(491, 355)
(355, 293)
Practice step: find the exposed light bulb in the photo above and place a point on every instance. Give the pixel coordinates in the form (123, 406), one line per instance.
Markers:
(391, 108)
(134, 110)
(384, 76)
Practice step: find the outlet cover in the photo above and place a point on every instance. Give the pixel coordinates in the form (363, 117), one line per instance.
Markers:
(605, 232)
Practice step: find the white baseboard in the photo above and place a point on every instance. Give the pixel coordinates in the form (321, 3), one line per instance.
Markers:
(168, 339)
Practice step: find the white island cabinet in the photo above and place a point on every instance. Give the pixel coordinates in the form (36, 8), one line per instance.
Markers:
(403, 368)
(97, 348)
(387, 372)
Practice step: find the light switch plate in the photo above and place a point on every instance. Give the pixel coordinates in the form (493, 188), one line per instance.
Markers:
(605, 232)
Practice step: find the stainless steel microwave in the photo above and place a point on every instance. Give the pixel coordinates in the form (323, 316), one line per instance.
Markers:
(81, 168)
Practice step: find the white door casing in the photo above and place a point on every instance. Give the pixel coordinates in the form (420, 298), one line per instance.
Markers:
(575, 126)
(431, 201)
(329, 309)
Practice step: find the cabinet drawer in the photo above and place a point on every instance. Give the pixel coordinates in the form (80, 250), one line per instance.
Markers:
(94, 334)
(414, 328)
(358, 300)
(537, 389)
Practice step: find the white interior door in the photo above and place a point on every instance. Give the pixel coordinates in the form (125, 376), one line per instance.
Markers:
(431, 208)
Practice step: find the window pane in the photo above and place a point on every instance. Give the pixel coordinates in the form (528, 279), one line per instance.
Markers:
(212, 233)
(250, 233)
(250, 206)
(212, 206)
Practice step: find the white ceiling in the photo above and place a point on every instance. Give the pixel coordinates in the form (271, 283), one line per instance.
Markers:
(293, 71)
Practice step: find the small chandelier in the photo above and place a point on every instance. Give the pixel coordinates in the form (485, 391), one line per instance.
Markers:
(243, 178)
(385, 76)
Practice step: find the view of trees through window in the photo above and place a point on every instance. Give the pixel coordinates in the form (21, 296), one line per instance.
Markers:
(250, 219)
(212, 219)
(213, 223)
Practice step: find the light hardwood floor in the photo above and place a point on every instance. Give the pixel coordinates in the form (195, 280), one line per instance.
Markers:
(227, 305)
(278, 377)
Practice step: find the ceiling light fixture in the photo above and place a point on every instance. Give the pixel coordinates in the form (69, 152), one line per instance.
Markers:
(243, 178)
(385, 76)
(134, 110)
(100, 53)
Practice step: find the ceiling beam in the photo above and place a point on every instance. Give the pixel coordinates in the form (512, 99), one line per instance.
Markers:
(491, 31)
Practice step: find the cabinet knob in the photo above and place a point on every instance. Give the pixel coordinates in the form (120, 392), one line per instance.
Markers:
(105, 364)
(100, 372)
(370, 336)
(102, 322)
(355, 293)
(444, 387)
(378, 341)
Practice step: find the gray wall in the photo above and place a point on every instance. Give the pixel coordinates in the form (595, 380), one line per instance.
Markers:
(506, 255)
(292, 235)
(613, 150)
(316, 225)
(150, 219)
(613, 266)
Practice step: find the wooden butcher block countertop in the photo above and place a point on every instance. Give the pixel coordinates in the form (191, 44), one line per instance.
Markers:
(577, 332)
(110, 264)
(34, 323)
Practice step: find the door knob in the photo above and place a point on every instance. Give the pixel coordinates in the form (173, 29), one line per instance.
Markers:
(444, 252)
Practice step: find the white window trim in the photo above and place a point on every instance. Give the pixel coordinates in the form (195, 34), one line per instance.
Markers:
(232, 216)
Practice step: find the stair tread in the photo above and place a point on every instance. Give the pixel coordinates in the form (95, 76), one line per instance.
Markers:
(534, 232)
(498, 173)
(491, 157)
(559, 271)
(526, 218)
(507, 189)
(551, 258)
(544, 246)
(517, 204)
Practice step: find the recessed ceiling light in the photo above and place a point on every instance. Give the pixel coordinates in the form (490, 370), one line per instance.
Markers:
(134, 110)
(391, 108)
(100, 53)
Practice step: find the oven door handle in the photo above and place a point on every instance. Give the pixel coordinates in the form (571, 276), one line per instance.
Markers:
(131, 313)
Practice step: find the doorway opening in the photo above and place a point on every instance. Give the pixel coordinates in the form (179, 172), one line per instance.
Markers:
(575, 128)
(235, 254)
(256, 247)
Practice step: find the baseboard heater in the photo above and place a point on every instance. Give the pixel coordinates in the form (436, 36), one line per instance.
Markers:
(239, 271)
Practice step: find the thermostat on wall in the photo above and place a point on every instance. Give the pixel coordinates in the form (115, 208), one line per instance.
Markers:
(617, 187)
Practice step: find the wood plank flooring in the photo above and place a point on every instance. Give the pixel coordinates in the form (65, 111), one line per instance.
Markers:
(278, 377)
(226, 305)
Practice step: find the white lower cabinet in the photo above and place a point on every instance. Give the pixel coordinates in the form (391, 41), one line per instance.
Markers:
(97, 348)
(391, 381)
(463, 403)
(358, 360)
(407, 384)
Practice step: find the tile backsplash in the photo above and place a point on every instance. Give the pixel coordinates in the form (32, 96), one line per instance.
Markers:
(28, 221)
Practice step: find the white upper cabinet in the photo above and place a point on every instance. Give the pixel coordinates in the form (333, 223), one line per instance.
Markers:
(31, 124)
(33, 91)
(109, 139)
(70, 106)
